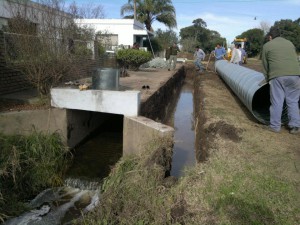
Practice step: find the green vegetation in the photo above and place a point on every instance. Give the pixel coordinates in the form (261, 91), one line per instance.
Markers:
(161, 40)
(166, 38)
(148, 11)
(255, 37)
(289, 29)
(133, 58)
(29, 164)
(198, 34)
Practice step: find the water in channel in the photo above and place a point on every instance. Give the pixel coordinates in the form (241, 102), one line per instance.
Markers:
(184, 137)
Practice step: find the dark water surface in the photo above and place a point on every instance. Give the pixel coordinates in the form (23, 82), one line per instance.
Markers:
(94, 158)
(184, 137)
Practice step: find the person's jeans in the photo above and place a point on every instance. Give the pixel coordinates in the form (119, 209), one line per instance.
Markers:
(199, 65)
(284, 88)
(174, 59)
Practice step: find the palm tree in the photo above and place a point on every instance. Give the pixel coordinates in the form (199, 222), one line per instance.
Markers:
(148, 11)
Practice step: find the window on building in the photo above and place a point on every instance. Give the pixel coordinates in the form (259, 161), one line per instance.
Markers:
(109, 41)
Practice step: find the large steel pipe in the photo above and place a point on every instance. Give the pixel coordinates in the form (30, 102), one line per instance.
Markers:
(244, 83)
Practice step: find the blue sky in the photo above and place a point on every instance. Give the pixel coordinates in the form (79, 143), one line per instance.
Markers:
(229, 17)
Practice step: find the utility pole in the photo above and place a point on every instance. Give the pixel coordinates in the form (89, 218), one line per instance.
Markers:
(134, 9)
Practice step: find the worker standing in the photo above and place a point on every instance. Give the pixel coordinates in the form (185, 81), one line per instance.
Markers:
(243, 54)
(236, 55)
(199, 56)
(282, 71)
(220, 52)
(173, 56)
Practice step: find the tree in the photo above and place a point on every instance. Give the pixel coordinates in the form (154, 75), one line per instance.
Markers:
(166, 38)
(149, 11)
(152, 44)
(205, 38)
(87, 11)
(255, 39)
(199, 23)
(188, 44)
(289, 30)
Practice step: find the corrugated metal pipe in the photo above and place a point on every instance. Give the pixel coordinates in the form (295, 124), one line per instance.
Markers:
(244, 82)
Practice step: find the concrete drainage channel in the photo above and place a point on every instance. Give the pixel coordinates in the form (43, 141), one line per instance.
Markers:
(75, 125)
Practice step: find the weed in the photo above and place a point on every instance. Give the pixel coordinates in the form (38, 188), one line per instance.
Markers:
(27, 165)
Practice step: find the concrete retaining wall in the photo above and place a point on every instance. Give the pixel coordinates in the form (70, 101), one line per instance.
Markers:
(22, 122)
(139, 131)
(73, 125)
(156, 107)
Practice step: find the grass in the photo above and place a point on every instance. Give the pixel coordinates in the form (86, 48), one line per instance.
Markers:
(28, 164)
(238, 192)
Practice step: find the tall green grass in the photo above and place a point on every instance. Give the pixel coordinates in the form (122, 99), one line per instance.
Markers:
(28, 164)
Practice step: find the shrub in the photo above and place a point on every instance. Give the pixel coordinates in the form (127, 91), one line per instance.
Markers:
(132, 58)
(28, 164)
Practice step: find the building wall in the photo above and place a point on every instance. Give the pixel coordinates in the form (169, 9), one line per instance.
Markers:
(126, 29)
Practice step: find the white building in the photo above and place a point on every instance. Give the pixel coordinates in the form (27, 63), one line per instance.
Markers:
(120, 31)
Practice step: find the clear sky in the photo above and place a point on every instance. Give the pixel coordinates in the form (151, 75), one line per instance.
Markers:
(229, 17)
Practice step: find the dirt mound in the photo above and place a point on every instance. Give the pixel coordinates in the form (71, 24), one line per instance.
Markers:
(225, 131)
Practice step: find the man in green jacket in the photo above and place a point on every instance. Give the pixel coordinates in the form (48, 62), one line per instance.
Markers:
(173, 56)
(282, 71)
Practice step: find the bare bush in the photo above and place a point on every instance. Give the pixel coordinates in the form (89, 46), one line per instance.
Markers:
(44, 43)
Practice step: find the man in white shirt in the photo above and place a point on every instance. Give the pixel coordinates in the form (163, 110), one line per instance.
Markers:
(235, 55)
